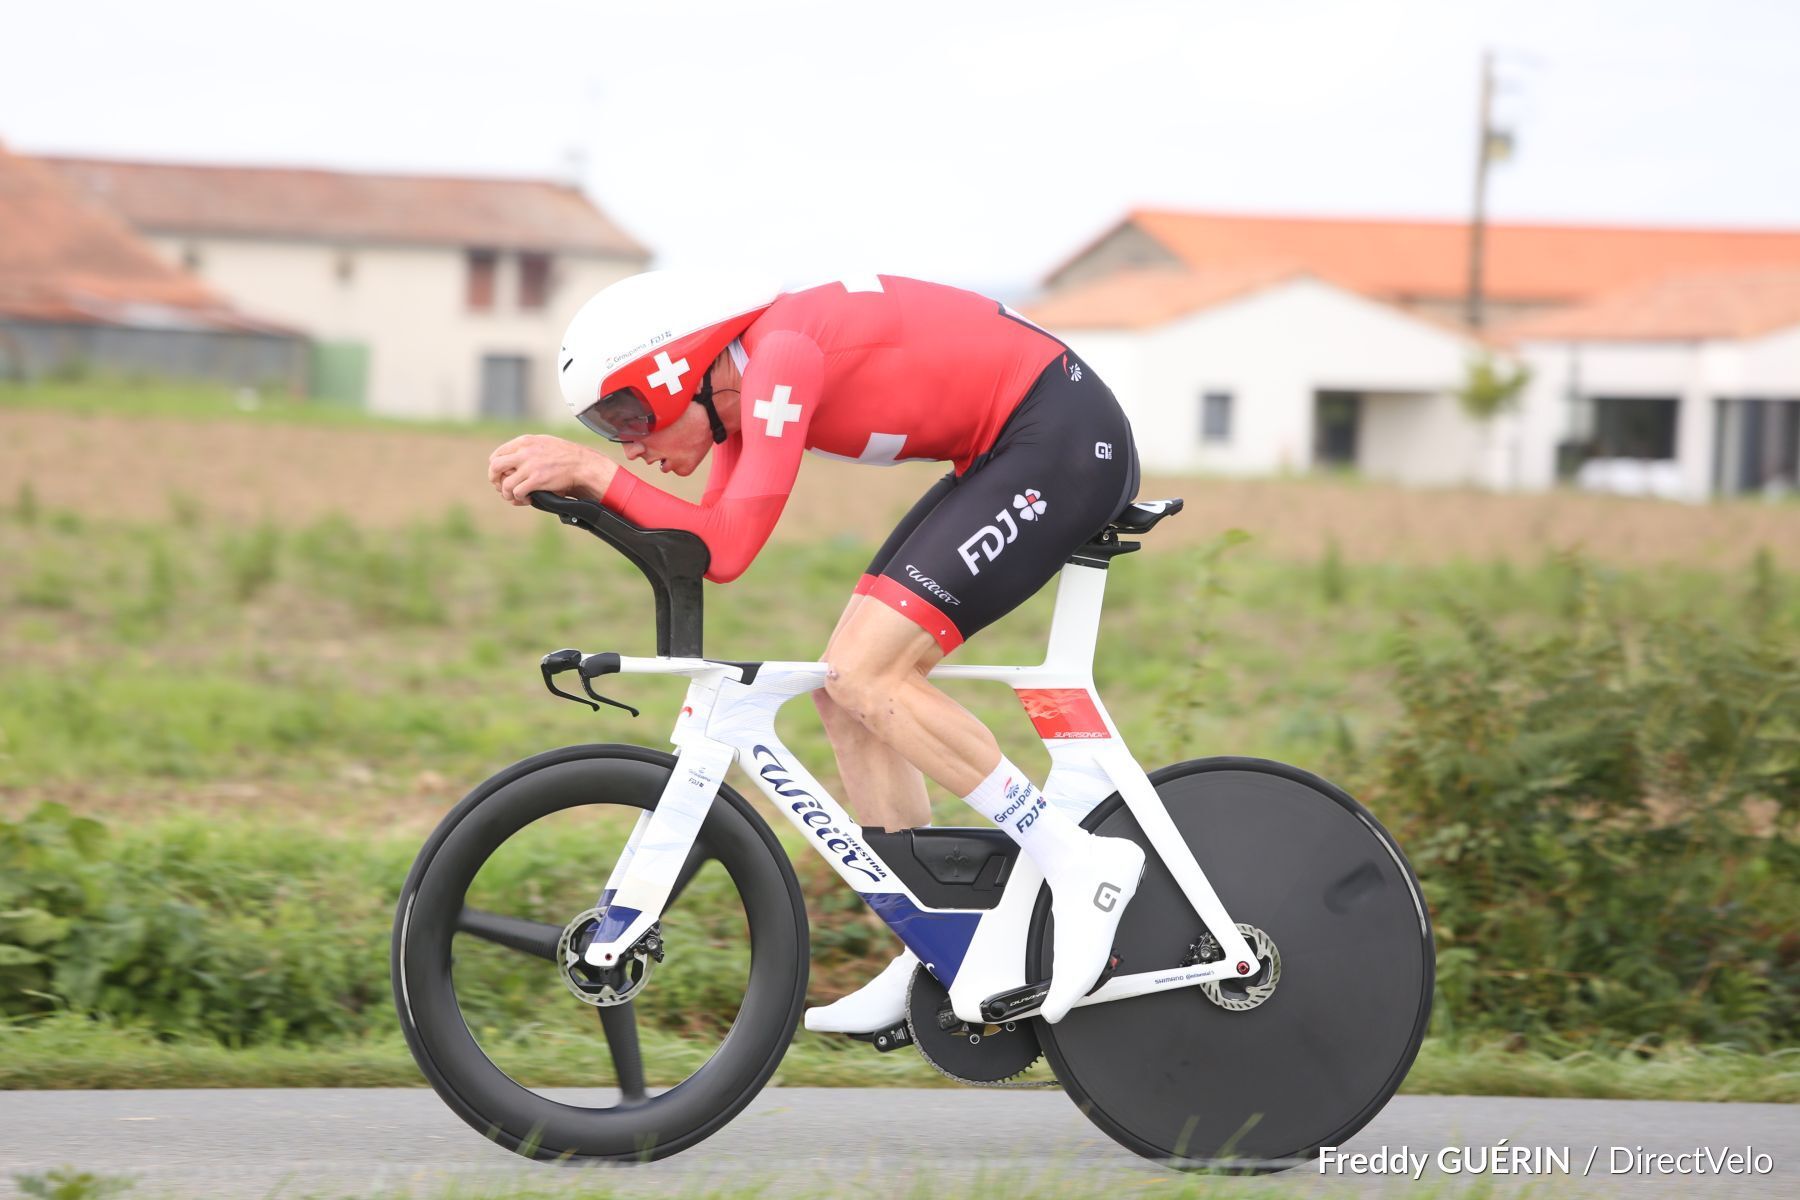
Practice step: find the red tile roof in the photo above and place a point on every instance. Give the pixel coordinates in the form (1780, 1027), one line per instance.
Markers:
(64, 259)
(1712, 304)
(341, 206)
(1138, 299)
(1400, 260)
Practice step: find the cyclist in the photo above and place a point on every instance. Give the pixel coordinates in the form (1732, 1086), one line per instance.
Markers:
(878, 369)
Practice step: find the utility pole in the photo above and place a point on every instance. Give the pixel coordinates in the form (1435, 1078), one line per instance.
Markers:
(1484, 152)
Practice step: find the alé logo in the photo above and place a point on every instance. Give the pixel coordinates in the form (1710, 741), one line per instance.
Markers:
(990, 540)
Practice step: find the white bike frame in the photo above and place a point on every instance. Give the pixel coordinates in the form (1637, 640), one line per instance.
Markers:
(725, 719)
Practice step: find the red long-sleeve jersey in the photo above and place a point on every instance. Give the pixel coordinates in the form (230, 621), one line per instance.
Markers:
(878, 369)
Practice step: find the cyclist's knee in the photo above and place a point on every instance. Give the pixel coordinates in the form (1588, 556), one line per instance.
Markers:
(857, 689)
(835, 717)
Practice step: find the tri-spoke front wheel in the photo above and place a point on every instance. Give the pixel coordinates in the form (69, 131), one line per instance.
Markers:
(490, 1015)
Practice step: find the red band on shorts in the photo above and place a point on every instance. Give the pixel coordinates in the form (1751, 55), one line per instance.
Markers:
(923, 613)
(865, 585)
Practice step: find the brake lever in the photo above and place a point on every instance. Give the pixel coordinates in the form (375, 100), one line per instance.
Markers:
(604, 663)
(555, 663)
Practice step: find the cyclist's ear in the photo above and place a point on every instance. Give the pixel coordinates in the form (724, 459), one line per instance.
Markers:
(725, 373)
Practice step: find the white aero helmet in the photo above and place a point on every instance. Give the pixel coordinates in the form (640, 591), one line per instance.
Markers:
(637, 353)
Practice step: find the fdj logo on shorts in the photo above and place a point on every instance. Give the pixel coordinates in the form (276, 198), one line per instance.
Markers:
(992, 539)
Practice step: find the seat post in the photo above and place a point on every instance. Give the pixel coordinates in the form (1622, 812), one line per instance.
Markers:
(1075, 621)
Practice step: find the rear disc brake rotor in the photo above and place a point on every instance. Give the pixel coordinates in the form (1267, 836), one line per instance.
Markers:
(1242, 995)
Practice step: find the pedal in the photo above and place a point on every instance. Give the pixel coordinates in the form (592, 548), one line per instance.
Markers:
(886, 1040)
(1010, 1006)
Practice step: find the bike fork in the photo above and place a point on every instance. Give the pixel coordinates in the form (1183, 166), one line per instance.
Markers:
(650, 866)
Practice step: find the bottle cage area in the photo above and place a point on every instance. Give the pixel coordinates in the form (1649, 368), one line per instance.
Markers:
(675, 561)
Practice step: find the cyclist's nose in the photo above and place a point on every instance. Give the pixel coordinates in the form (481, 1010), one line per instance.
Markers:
(633, 451)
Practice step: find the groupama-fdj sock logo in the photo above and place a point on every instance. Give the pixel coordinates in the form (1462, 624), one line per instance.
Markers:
(990, 540)
(1021, 795)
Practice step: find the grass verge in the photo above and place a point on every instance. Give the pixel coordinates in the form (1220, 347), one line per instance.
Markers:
(1028, 1183)
(74, 1053)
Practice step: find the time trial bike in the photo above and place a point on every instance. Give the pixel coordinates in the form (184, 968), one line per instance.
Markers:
(1269, 986)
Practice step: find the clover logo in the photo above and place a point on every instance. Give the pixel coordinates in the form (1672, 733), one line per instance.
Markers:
(1030, 504)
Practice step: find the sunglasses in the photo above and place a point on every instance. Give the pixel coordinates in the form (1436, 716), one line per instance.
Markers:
(619, 415)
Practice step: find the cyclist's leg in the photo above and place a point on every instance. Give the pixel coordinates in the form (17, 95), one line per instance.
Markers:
(881, 788)
(878, 661)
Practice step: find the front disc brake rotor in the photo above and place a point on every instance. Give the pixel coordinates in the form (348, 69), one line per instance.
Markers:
(605, 986)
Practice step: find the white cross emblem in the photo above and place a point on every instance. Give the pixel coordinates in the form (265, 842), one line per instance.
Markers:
(776, 411)
(669, 375)
(883, 450)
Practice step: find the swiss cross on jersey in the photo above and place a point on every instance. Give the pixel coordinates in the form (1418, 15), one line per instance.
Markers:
(776, 411)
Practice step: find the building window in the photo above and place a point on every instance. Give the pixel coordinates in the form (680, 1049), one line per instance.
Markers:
(505, 395)
(483, 265)
(534, 280)
(1634, 427)
(1215, 417)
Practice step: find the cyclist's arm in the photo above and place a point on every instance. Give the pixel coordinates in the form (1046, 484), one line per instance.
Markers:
(737, 514)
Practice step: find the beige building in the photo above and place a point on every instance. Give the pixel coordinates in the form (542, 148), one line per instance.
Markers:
(424, 296)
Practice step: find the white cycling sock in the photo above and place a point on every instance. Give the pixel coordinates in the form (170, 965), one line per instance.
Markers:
(1008, 799)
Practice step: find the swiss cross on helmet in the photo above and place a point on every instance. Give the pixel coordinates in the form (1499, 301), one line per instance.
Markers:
(637, 353)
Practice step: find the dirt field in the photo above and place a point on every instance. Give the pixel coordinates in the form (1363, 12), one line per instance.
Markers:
(140, 469)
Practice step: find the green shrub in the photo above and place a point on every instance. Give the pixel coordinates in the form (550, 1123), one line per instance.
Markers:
(1602, 818)
(252, 560)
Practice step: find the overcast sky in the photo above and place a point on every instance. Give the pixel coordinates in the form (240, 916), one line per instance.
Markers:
(977, 143)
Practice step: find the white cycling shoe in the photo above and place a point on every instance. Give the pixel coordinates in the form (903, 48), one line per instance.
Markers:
(1088, 903)
(879, 1004)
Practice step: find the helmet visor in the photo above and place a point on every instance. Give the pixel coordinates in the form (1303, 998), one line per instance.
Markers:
(619, 415)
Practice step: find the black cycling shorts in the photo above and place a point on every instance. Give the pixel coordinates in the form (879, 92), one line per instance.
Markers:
(978, 545)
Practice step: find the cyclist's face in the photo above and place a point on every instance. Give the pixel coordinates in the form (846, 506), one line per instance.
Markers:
(683, 444)
(678, 447)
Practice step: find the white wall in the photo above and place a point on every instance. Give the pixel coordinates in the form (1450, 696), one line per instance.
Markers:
(1694, 373)
(1272, 351)
(1425, 438)
(408, 304)
(1771, 365)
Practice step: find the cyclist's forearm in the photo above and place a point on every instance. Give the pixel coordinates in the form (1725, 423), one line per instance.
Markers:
(734, 529)
(597, 476)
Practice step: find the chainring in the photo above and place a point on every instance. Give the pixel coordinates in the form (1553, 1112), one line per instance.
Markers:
(980, 1055)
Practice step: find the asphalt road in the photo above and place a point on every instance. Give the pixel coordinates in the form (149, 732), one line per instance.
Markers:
(821, 1141)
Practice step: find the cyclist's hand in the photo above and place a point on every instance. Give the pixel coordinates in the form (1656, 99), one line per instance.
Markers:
(538, 462)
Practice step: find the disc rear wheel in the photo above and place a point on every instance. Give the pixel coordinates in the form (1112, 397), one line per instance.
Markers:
(1339, 1009)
